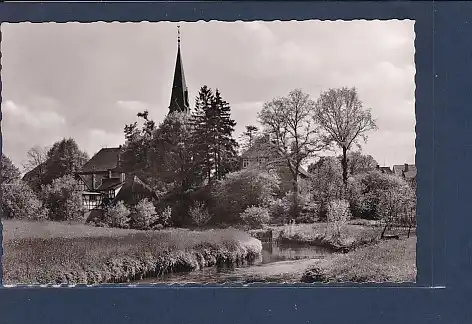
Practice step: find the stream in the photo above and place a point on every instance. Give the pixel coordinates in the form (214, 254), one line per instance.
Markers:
(277, 263)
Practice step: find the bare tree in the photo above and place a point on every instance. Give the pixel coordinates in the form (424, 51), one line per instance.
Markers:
(247, 138)
(37, 158)
(290, 123)
(344, 119)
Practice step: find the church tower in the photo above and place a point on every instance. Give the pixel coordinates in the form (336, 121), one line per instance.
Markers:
(179, 96)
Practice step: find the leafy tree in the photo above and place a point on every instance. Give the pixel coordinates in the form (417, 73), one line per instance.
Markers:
(255, 217)
(213, 127)
(117, 215)
(170, 153)
(63, 158)
(366, 191)
(357, 163)
(20, 202)
(199, 213)
(344, 119)
(137, 146)
(63, 199)
(144, 215)
(326, 182)
(9, 172)
(240, 190)
(290, 123)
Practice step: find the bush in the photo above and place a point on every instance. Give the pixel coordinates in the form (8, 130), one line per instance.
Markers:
(367, 190)
(164, 217)
(19, 201)
(199, 214)
(63, 199)
(240, 190)
(117, 215)
(338, 214)
(255, 216)
(144, 215)
(279, 211)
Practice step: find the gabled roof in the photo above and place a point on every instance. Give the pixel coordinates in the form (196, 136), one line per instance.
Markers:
(86, 180)
(111, 183)
(106, 159)
(134, 185)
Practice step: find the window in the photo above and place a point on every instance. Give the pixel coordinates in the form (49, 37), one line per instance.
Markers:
(245, 163)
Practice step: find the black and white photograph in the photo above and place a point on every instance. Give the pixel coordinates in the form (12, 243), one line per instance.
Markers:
(208, 152)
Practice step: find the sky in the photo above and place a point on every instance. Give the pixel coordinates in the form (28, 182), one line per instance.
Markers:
(87, 81)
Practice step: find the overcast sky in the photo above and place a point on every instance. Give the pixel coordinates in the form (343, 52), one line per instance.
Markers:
(87, 81)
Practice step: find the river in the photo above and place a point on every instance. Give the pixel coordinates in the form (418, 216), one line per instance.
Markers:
(277, 263)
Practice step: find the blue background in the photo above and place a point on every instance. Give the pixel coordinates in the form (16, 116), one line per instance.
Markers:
(444, 159)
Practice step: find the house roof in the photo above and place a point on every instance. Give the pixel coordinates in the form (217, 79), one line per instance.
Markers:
(111, 183)
(86, 180)
(134, 185)
(410, 174)
(106, 159)
(34, 173)
(385, 169)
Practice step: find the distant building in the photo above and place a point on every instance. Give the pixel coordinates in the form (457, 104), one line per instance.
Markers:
(103, 181)
(384, 169)
(266, 155)
(407, 172)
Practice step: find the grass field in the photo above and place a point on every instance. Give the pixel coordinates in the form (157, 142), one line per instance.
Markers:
(386, 261)
(60, 253)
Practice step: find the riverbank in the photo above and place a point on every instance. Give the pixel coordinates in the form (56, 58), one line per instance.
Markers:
(58, 253)
(319, 234)
(386, 261)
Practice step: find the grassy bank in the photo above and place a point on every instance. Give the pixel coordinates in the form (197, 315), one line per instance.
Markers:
(386, 261)
(72, 254)
(319, 234)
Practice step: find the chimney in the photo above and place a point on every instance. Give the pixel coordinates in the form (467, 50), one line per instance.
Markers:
(94, 179)
(109, 173)
(406, 167)
(377, 167)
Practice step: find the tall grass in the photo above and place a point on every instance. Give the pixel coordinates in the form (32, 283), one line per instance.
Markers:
(121, 257)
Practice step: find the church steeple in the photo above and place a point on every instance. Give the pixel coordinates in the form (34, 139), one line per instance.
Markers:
(179, 96)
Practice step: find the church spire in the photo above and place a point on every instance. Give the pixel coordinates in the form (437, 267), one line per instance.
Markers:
(179, 96)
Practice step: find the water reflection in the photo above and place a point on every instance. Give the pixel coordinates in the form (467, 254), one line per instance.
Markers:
(271, 254)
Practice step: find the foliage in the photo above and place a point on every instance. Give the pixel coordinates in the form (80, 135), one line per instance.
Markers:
(344, 120)
(117, 215)
(144, 215)
(20, 202)
(370, 193)
(338, 214)
(164, 217)
(199, 214)
(63, 199)
(215, 151)
(289, 121)
(326, 182)
(358, 163)
(240, 190)
(255, 216)
(63, 158)
(397, 205)
(9, 172)
(248, 137)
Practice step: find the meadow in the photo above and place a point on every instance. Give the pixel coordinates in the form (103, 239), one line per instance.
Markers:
(62, 253)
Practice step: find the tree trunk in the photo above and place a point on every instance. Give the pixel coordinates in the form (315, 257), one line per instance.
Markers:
(295, 208)
(344, 166)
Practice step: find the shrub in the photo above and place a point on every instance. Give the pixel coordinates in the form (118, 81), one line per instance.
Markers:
(19, 201)
(63, 199)
(164, 217)
(144, 215)
(255, 216)
(338, 214)
(279, 211)
(117, 215)
(366, 191)
(240, 190)
(199, 214)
